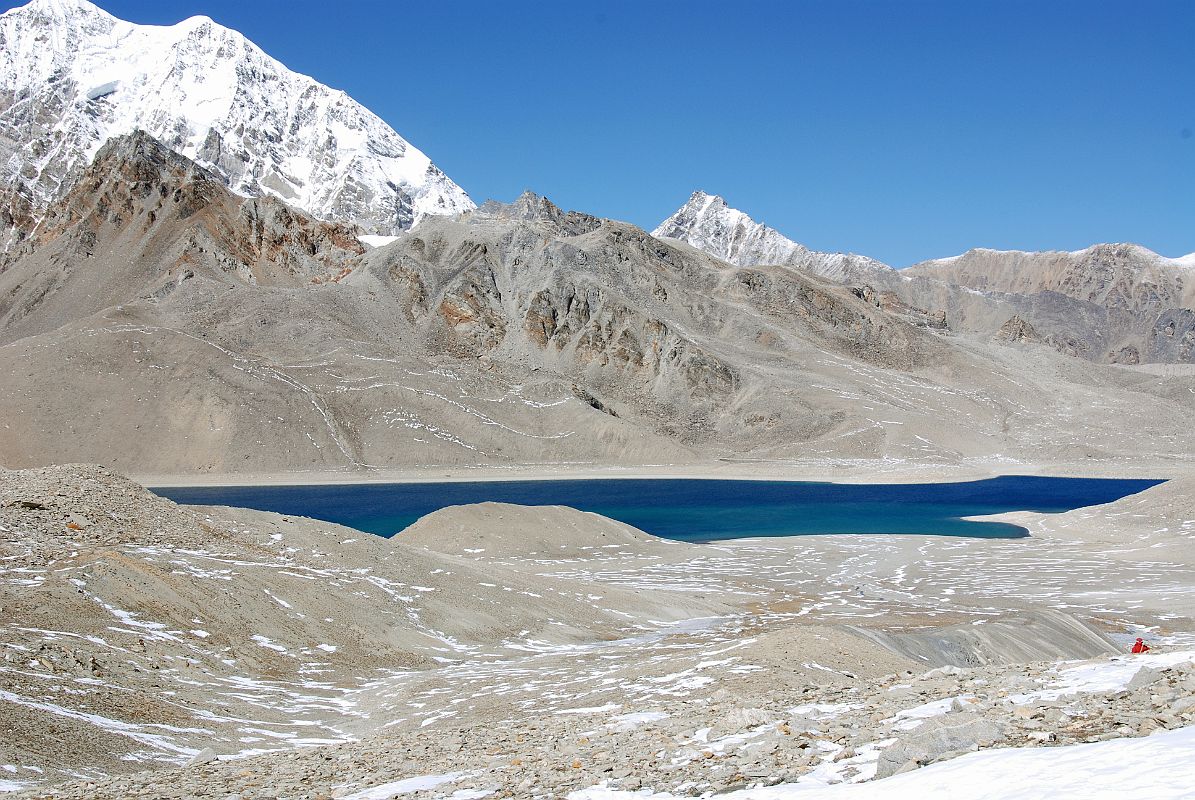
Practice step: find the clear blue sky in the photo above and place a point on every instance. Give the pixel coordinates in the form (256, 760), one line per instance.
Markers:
(902, 130)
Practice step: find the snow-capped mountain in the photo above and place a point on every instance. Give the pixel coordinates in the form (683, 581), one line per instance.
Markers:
(72, 76)
(709, 224)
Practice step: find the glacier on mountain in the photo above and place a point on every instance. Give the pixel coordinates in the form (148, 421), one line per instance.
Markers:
(72, 76)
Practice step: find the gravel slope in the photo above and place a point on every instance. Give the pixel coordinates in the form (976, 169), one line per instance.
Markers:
(561, 651)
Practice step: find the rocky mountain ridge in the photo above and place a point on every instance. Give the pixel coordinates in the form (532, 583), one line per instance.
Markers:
(1126, 303)
(1117, 303)
(253, 338)
(143, 219)
(72, 76)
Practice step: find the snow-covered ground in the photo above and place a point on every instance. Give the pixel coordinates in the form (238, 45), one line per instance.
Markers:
(1109, 676)
(1158, 767)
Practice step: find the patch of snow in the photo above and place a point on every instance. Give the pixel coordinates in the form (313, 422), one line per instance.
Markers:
(911, 718)
(590, 710)
(824, 710)
(265, 642)
(386, 791)
(1105, 676)
(135, 732)
(377, 241)
(622, 723)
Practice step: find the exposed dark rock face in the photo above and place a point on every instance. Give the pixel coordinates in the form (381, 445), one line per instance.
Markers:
(16, 222)
(891, 302)
(591, 401)
(1110, 302)
(1125, 355)
(856, 327)
(1173, 335)
(1018, 330)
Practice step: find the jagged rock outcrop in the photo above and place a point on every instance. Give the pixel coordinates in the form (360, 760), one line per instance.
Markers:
(17, 219)
(566, 290)
(71, 76)
(1017, 330)
(891, 302)
(883, 339)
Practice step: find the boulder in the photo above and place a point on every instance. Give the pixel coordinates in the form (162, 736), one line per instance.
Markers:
(936, 738)
(204, 756)
(739, 720)
(1144, 677)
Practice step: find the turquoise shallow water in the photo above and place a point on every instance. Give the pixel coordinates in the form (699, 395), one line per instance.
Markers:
(697, 510)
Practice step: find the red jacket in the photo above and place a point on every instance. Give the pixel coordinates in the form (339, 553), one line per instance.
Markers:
(1140, 647)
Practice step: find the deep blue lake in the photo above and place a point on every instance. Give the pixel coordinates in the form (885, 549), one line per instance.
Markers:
(696, 510)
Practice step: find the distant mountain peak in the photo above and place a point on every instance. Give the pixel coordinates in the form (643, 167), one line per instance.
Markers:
(72, 76)
(710, 224)
(707, 222)
(704, 199)
(61, 8)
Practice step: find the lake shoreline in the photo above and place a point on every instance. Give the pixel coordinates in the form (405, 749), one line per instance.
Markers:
(837, 471)
(688, 510)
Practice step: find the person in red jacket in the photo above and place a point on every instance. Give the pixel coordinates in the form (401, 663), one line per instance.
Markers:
(1140, 646)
